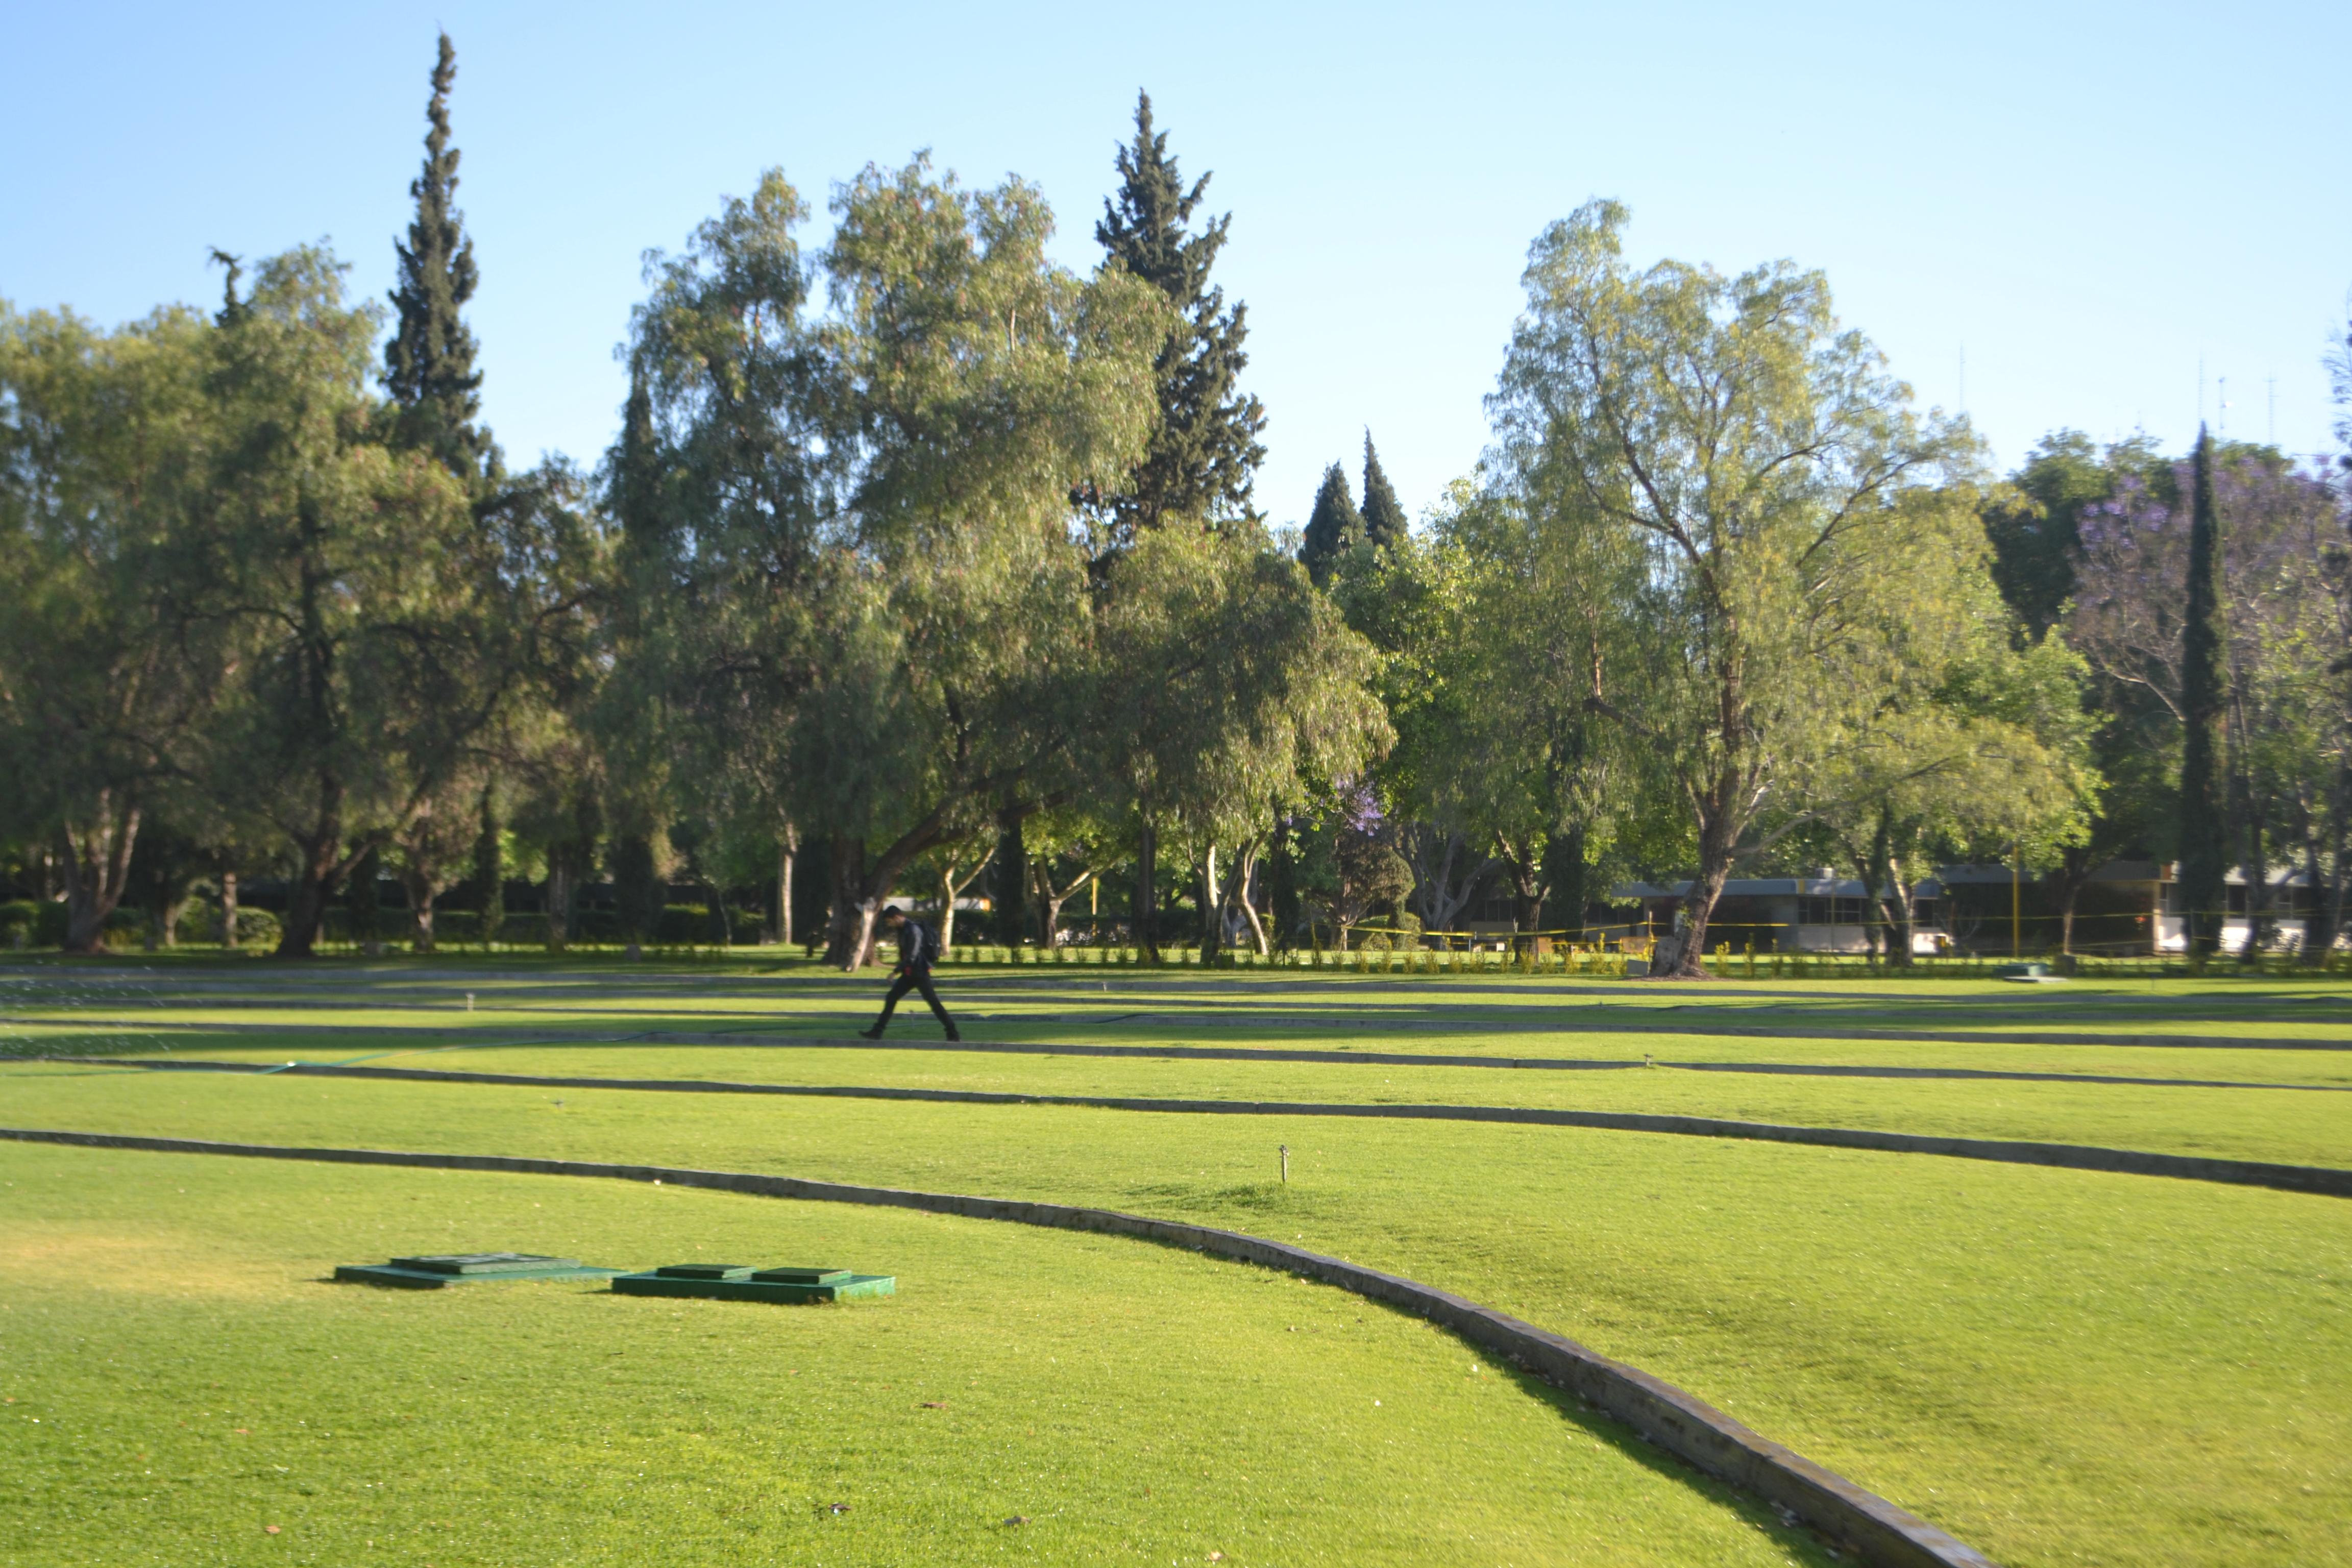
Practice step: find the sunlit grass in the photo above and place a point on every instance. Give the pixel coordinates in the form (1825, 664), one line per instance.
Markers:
(184, 1388)
(2056, 1366)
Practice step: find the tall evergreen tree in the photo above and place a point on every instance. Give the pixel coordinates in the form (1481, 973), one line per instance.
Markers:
(1333, 528)
(2204, 827)
(1384, 519)
(1204, 456)
(429, 363)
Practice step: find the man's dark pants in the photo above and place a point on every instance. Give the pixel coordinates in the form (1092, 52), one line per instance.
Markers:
(914, 977)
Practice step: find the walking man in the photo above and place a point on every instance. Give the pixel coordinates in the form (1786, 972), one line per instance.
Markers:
(917, 949)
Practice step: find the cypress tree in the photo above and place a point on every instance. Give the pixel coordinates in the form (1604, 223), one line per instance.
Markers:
(2204, 828)
(1204, 456)
(1384, 519)
(1333, 528)
(429, 363)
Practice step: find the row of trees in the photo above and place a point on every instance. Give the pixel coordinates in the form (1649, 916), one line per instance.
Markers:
(921, 558)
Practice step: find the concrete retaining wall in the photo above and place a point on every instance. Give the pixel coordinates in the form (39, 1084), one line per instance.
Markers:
(1878, 1530)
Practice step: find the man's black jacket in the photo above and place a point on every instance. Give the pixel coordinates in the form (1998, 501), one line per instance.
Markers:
(918, 948)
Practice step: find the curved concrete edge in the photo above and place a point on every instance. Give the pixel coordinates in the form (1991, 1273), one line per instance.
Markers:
(1676, 1421)
(2326, 1180)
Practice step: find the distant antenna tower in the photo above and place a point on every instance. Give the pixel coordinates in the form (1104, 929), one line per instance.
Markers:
(2273, 384)
(2223, 403)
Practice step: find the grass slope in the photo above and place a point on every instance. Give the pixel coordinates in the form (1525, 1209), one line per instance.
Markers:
(183, 1388)
(2057, 1366)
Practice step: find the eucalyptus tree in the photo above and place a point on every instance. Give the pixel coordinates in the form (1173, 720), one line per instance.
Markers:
(1754, 454)
(106, 672)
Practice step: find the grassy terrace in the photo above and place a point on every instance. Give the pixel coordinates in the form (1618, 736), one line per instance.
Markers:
(2057, 1366)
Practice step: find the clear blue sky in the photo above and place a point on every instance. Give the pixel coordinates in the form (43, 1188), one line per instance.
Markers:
(2084, 200)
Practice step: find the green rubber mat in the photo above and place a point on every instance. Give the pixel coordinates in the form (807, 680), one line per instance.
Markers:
(741, 1282)
(432, 1272)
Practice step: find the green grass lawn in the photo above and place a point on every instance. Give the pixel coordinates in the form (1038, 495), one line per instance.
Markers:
(181, 1381)
(2057, 1366)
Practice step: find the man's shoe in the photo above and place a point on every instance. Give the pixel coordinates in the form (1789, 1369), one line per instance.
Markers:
(873, 1034)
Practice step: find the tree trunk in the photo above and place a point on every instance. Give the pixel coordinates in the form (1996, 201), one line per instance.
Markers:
(1012, 876)
(851, 933)
(2256, 871)
(1442, 894)
(952, 888)
(1527, 893)
(1146, 891)
(1050, 900)
(228, 908)
(1212, 905)
(1237, 892)
(1716, 846)
(1565, 870)
(788, 845)
(1883, 885)
(559, 897)
(318, 871)
(1282, 887)
(421, 894)
(714, 901)
(97, 869)
(2318, 935)
(2074, 871)
(858, 888)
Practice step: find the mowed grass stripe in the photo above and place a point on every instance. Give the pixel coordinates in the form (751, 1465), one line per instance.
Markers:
(2333, 1182)
(1275, 1025)
(2239, 1123)
(1353, 1057)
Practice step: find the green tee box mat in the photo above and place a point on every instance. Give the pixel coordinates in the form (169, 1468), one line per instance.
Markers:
(431, 1273)
(741, 1282)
